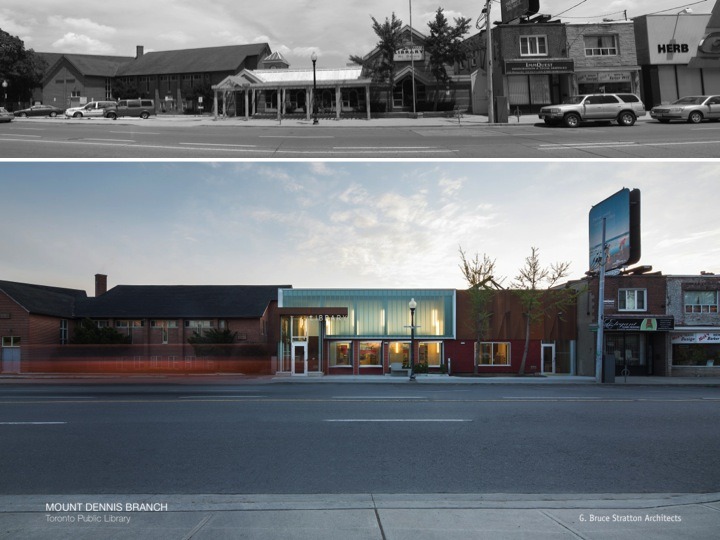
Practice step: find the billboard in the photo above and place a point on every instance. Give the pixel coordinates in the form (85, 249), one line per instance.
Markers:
(708, 50)
(621, 213)
(513, 9)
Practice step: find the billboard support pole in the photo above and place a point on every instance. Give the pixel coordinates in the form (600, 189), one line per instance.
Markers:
(599, 347)
(489, 63)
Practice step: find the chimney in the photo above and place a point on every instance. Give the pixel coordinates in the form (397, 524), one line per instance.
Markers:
(139, 51)
(100, 284)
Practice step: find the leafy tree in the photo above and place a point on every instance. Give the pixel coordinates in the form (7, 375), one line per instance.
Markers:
(88, 333)
(480, 277)
(123, 90)
(382, 69)
(533, 285)
(22, 69)
(445, 47)
(213, 341)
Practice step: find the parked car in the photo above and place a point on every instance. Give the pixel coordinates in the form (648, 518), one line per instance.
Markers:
(623, 108)
(94, 108)
(6, 116)
(40, 110)
(693, 109)
(142, 108)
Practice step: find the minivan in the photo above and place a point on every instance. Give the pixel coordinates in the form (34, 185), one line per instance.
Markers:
(132, 107)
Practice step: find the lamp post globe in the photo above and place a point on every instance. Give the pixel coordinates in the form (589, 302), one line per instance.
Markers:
(314, 57)
(5, 85)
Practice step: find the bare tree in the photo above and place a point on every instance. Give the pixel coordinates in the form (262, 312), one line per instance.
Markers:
(532, 285)
(480, 277)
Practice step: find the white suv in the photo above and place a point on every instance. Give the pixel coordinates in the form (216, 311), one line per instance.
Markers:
(623, 108)
(94, 108)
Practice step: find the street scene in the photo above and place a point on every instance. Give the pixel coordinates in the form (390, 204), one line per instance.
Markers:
(365, 270)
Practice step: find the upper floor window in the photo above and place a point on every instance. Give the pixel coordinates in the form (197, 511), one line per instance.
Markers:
(533, 46)
(632, 300)
(600, 46)
(701, 301)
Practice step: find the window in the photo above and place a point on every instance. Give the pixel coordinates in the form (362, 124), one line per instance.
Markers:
(399, 352)
(701, 301)
(533, 46)
(340, 354)
(430, 353)
(129, 324)
(632, 300)
(163, 323)
(370, 353)
(494, 354)
(600, 46)
(63, 331)
(198, 324)
(11, 341)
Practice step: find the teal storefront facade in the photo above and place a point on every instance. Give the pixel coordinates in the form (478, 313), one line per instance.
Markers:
(363, 331)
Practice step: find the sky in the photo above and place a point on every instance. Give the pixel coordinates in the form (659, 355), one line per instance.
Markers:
(333, 29)
(336, 224)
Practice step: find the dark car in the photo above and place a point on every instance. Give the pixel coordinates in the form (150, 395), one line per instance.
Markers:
(40, 110)
(142, 108)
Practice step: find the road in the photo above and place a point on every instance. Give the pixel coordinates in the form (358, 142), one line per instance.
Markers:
(190, 139)
(357, 438)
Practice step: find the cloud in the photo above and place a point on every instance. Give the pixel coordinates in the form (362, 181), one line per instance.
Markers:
(82, 44)
(178, 37)
(86, 26)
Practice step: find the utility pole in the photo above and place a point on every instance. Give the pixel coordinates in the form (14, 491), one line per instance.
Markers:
(600, 346)
(412, 58)
(489, 64)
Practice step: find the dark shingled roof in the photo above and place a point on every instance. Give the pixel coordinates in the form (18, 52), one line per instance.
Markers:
(207, 59)
(89, 64)
(43, 300)
(181, 301)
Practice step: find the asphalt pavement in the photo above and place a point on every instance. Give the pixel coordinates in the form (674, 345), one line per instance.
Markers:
(616, 516)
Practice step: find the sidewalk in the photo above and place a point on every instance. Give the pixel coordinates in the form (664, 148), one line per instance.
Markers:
(368, 516)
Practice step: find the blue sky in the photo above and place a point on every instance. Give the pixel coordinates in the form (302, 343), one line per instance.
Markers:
(333, 29)
(335, 224)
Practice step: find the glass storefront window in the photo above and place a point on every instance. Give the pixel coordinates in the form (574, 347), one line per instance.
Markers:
(701, 302)
(370, 353)
(340, 354)
(430, 353)
(696, 355)
(399, 351)
(494, 354)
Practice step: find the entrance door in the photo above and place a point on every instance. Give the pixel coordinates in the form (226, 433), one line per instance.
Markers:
(10, 361)
(548, 358)
(299, 358)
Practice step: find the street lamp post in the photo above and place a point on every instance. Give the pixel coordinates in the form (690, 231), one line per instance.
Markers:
(5, 85)
(313, 57)
(412, 305)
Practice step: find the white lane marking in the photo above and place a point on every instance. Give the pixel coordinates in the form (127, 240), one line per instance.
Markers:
(398, 420)
(221, 145)
(138, 132)
(19, 135)
(110, 140)
(384, 147)
(224, 397)
(584, 146)
(296, 137)
(379, 397)
(30, 423)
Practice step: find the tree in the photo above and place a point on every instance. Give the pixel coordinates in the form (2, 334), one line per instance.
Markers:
(213, 342)
(480, 277)
(22, 69)
(88, 333)
(122, 89)
(533, 286)
(382, 69)
(445, 47)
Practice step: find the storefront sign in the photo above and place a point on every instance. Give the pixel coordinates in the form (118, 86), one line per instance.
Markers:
(407, 54)
(604, 77)
(534, 67)
(638, 324)
(705, 338)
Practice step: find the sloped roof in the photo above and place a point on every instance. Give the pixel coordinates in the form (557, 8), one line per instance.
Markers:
(181, 301)
(207, 59)
(349, 76)
(89, 64)
(44, 300)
